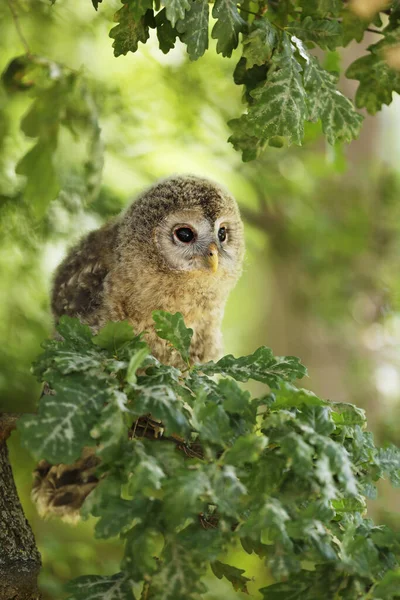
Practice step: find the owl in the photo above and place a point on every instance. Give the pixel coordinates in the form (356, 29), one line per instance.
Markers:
(179, 247)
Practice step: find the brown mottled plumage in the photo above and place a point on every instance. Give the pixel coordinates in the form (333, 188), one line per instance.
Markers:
(136, 264)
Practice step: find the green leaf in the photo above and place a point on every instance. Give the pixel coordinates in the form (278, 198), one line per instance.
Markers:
(236, 400)
(349, 505)
(42, 183)
(179, 576)
(74, 353)
(359, 553)
(388, 459)
(165, 32)
(175, 10)
(116, 514)
(307, 585)
(344, 414)
(288, 396)
(98, 587)
(194, 29)
(246, 449)
(111, 429)
(135, 362)
(163, 404)
(186, 495)
(299, 453)
(325, 33)
(228, 26)
(113, 335)
(250, 146)
(62, 426)
(339, 462)
(259, 43)
(268, 524)
(140, 552)
(340, 121)
(321, 8)
(138, 8)
(211, 421)
(319, 418)
(377, 80)
(147, 474)
(353, 27)
(261, 366)
(173, 329)
(388, 587)
(232, 574)
(279, 104)
(69, 361)
(228, 492)
(129, 32)
(76, 333)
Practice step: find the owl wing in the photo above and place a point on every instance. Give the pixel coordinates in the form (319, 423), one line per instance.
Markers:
(79, 281)
(60, 490)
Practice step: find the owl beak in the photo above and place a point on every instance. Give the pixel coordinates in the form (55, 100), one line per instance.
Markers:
(211, 257)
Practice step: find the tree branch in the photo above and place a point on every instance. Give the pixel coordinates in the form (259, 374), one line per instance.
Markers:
(17, 24)
(8, 422)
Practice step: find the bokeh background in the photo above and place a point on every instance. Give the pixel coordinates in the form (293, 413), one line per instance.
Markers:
(321, 277)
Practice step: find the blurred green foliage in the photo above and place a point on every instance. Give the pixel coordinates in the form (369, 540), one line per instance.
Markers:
(320, 278)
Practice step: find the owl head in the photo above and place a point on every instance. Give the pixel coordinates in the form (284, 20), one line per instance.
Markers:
(186, 225)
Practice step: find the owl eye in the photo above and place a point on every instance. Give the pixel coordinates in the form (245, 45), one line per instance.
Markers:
(222, 234)
(184, 234)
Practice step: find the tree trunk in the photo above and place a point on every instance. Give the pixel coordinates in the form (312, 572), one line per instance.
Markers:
(19, 557)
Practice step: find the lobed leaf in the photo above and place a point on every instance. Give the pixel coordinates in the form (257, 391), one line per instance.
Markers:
(228, 26)
(279, 105)
(166, 34)
(259, 43)
(340, 121)
(194, 29)
(129, 31)
(232, 574)
(262, 366)
(162, 403)
(113, 335)
(98, 587)
(175, 10)
(173, 329)
(377, 79)
(327, 34)
(63, 423)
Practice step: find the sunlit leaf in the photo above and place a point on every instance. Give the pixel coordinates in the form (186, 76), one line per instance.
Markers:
(129, 31)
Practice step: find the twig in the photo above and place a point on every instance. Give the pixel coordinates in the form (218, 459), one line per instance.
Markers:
(18, 26)
(250, 12)
(370, 29)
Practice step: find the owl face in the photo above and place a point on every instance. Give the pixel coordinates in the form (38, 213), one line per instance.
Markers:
(190, 241)
(183, 225)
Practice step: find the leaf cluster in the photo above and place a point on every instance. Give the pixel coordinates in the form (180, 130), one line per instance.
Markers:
(191, 464)
(284, 83)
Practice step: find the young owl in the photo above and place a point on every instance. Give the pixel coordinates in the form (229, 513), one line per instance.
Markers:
(179, 247)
